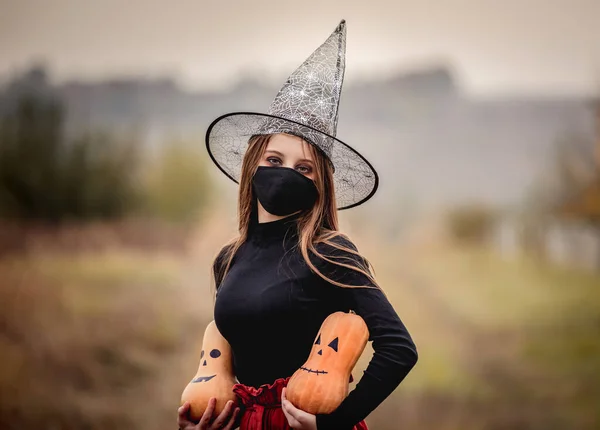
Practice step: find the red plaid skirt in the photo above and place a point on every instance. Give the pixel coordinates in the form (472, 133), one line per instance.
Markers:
(261, 407)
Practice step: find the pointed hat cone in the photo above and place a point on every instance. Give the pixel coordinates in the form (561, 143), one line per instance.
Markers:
(311, 95)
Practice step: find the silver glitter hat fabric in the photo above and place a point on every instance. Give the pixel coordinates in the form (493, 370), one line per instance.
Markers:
(306, 106)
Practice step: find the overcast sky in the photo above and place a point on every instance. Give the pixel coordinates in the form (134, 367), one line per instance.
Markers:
(495, 45)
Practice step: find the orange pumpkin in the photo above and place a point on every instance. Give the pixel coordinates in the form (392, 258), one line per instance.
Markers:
(214, 377)
(322, 383)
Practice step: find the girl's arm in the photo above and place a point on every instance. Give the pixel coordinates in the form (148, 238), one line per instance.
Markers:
(395, 353)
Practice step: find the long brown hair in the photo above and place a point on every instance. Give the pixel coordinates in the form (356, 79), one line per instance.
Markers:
(318, 225)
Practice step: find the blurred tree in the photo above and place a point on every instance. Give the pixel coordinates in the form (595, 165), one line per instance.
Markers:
(585, 204)
(30, 151)
(101, 176)
(45, 177)
(578, 192)
(576, 170)
(579, 196)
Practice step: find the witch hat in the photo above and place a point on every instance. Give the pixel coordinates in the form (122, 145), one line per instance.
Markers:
(306, 106)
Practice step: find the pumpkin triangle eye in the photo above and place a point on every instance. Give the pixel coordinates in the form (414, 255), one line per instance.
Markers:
(318, 341)
(334, 344)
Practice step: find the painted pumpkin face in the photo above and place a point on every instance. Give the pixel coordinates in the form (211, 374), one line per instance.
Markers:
(322, 382)
(213, 355)
(214, 377)
(322, 354)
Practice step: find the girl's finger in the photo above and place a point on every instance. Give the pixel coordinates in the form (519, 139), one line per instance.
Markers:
(291, 409)
(207, 415)
(222, 418)
(183, 409)
(183, 415)
(293, 423)
(233, 419)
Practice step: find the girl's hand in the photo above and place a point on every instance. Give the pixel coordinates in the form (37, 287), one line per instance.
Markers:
(297, 419)
(225, 420)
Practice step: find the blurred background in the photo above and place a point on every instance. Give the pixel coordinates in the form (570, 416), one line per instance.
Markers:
(481, 117)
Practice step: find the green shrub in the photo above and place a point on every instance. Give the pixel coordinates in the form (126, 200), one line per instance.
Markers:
(177, 184)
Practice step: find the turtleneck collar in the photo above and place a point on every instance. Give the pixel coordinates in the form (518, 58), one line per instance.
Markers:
(273, 230)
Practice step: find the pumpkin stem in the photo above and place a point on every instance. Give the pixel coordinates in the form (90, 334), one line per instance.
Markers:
(352, 312)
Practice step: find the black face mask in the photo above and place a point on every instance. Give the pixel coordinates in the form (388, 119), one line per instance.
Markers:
(283, 191)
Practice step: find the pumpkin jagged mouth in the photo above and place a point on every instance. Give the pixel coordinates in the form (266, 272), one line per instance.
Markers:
(203, 378)
(318, 372)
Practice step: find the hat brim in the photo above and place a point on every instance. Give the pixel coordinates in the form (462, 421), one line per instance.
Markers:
(355, 179)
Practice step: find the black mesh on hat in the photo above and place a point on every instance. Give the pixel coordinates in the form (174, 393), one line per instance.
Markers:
(306, 106)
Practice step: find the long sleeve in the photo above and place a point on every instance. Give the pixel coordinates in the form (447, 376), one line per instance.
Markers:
(395, 353)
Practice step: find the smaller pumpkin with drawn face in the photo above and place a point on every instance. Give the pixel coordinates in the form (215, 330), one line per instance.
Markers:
(214, 377)
(322, 383)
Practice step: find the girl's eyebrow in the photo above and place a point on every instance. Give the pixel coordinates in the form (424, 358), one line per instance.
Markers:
(274, 151)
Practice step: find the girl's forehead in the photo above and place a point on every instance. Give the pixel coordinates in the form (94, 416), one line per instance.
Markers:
(289, 145)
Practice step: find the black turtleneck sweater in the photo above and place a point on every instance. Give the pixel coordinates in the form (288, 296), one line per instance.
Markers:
(270, 307)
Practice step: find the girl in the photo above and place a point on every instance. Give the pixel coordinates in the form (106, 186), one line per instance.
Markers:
(290, 267)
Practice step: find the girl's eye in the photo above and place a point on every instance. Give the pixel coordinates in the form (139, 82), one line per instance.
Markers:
(273, 160)
(304, 169)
